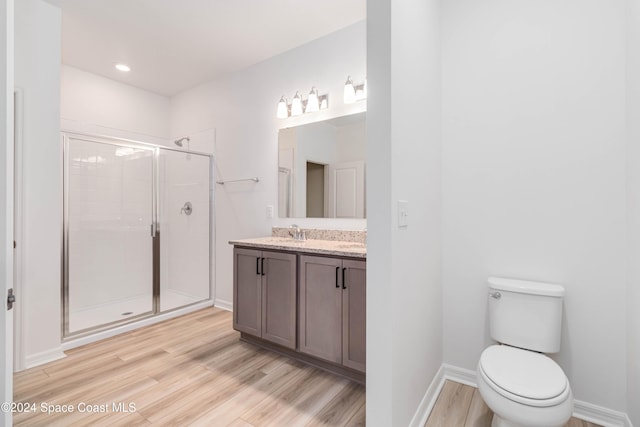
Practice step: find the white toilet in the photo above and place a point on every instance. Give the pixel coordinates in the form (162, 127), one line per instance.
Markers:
(522, 386)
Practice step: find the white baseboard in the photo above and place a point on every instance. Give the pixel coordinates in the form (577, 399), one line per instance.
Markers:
(599, 415)
(582, 410)
(428, 400)
(47, 356)
(225, 305)
(460, 375)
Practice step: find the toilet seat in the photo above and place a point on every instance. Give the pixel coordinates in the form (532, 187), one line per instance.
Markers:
(524, 376)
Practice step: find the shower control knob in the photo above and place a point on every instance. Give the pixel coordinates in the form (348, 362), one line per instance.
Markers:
(186, 209)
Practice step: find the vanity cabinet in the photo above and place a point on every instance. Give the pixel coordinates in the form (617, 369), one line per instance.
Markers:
(332, 310)
(264, 295)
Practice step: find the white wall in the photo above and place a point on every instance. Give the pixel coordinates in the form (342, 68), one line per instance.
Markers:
(534, 175)
(242, 109)
(404, 297)
(633, 167)
(98, 105)
(351, 142)
(37, 73)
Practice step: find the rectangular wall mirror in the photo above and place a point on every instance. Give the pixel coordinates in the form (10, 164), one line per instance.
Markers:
(321, 169)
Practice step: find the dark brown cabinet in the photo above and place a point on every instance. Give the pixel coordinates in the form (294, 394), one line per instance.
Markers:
(332, 310)
(264, 295)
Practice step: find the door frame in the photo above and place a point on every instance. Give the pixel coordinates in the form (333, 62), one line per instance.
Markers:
(19, 361)
(66, 334)
(6, 202)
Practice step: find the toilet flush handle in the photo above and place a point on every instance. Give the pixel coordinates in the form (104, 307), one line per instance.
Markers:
(495, 295)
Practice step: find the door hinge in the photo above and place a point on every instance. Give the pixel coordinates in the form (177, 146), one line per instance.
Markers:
(11, 298)
(14, 244)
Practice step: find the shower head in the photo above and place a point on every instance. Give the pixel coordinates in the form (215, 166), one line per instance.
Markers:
(178, 142)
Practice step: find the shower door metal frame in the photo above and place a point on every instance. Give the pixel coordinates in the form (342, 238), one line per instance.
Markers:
(155, 231)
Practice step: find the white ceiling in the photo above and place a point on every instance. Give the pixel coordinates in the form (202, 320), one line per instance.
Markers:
(173, 45)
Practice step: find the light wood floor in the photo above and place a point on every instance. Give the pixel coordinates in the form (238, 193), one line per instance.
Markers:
(191, 370)
(460, 405)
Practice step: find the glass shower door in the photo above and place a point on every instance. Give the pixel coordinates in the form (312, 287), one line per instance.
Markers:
(110, 206)
(184, 228)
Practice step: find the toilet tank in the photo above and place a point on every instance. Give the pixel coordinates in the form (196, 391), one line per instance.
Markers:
(526, 314)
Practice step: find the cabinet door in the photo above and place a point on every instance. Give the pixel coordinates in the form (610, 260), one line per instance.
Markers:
(354, 317)
(247, 309)
(279, 298)
(320, 307)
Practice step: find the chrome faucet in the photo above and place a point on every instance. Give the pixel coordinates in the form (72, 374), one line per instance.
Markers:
(297, 233)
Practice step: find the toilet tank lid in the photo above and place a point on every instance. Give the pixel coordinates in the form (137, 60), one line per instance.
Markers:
(525, 287)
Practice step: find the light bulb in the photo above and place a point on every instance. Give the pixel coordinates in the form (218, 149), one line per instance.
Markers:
(283, 112)
(312, 102)
(349, 92)
(296, 105)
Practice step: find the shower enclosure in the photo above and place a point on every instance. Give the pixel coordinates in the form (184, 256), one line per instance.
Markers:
(137, 231)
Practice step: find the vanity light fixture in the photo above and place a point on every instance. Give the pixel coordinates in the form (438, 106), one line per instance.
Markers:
(300, 106)
(283, 108)
(313, 104)
(353, 92)
(324, 102)
(349, 91)
(296, 105)
(316, 102)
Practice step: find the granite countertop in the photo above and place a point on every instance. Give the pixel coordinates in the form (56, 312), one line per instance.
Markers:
(310, 246)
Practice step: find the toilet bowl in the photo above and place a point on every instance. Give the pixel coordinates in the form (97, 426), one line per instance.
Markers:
(523, 388)
(517, 380)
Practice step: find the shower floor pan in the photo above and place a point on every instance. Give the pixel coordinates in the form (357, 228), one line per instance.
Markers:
(120, 310)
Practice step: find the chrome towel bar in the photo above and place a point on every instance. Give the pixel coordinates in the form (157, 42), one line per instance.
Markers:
(254, 179)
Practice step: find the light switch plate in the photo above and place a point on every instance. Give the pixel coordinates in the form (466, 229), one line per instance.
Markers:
(403, 213)
(269, 211)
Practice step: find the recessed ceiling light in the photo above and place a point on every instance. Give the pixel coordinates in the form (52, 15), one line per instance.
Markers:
(123, 67)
